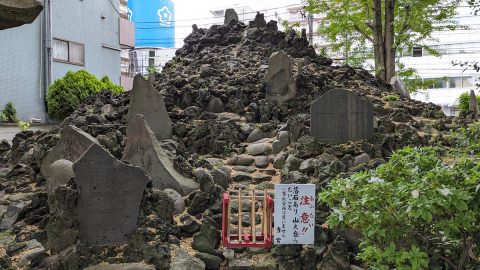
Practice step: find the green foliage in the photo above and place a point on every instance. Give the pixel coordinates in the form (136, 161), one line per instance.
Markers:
(152, 70)
(287, 26)
(348, 25)
(65, 94)
(9, 113)
(464, 101)
(392, 98)
(415, 208)
(23, 126)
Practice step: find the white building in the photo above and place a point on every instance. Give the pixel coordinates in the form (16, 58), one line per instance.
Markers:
(461, 45)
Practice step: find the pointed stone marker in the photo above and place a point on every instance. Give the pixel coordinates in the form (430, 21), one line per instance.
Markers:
(144, 151)
(110, 193)
(230, 15)
(281, 86)
(473, 104)
(72, 144)
(147, 101)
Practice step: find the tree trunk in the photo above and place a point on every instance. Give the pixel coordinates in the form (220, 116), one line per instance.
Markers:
(390, 50)
(378, 42)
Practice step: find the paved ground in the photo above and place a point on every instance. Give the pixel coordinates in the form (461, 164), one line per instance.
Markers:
(8, 132)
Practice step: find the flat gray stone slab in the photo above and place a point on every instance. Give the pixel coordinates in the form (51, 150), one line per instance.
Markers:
(72, 144)
(339, 116)
(143, 150)
(147, 101)
(110, 193)
(281, 85)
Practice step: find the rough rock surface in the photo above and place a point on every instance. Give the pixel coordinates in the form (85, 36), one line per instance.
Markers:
(226, 63)
(14, 13)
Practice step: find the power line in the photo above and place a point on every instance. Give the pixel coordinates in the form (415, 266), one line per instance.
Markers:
(206, 24)
(209, 18)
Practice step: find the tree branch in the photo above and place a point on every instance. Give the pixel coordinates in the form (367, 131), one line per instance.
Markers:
(404, 27)
(363, 33)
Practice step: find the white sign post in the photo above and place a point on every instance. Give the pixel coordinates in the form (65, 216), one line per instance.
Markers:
(294, 214)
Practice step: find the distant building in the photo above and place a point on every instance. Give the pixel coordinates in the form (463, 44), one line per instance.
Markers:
(67, 35)
(455, 46)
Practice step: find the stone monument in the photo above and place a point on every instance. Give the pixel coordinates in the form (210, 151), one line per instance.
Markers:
(72, 144)
(399, 87)
(147, 101)
(230, 15)
(143, 150)
(281, 85)
(110, 193)
(473, 104)
(339, 116)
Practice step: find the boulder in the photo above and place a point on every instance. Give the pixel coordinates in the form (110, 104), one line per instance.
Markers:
(15, 13)
(59, 173)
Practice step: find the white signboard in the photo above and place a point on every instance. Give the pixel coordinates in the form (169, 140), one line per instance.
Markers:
(294, 214)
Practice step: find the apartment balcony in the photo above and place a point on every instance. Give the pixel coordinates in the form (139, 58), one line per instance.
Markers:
(127, 34)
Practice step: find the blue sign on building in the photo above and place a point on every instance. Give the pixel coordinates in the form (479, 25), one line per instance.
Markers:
(154, 22)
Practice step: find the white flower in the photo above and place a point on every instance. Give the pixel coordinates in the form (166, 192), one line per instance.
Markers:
(165, 16)
(339, 213)
(415, 193)
(376, 180)
(344, 203)
(444, 191)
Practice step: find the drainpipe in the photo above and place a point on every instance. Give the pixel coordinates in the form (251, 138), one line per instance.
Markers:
(47, 51)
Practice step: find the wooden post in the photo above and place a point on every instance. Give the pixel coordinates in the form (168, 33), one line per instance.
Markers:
(252, 217)
(239, 215)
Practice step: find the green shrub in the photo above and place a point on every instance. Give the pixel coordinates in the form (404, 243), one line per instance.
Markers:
(9, 113)
(23, 126)
(65, 94)
(392, 98)
(464, 101)
(412, 210)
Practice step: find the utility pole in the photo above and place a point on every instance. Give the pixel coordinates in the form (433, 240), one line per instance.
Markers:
(310, 28)
(309, 21)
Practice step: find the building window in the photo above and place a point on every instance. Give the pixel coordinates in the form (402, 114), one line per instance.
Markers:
(455, 82)
(417, 52)
(68, 52)
(151, 53)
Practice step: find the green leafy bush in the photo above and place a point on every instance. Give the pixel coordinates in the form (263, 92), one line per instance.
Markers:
(23, 126)
(9, 114)
(412, 211)
(464, 101)
(65, 94)
(392, 97)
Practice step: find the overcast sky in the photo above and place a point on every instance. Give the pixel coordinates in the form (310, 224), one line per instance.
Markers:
(186, 10)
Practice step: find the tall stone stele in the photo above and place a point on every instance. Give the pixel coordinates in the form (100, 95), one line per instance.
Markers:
(15, 13)
(281, 85)
(147, 101)
(339, 116)
(110, 193)
(473, 104)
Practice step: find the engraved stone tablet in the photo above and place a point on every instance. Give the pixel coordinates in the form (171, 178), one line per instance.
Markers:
(281, 85)
(72, 144)
(143, 150)
(147, 101)
(110, 194)
(340, 116)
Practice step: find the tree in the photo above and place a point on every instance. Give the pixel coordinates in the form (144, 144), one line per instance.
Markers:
(386, 25)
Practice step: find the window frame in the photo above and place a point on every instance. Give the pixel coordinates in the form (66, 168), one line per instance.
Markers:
(68, 52)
